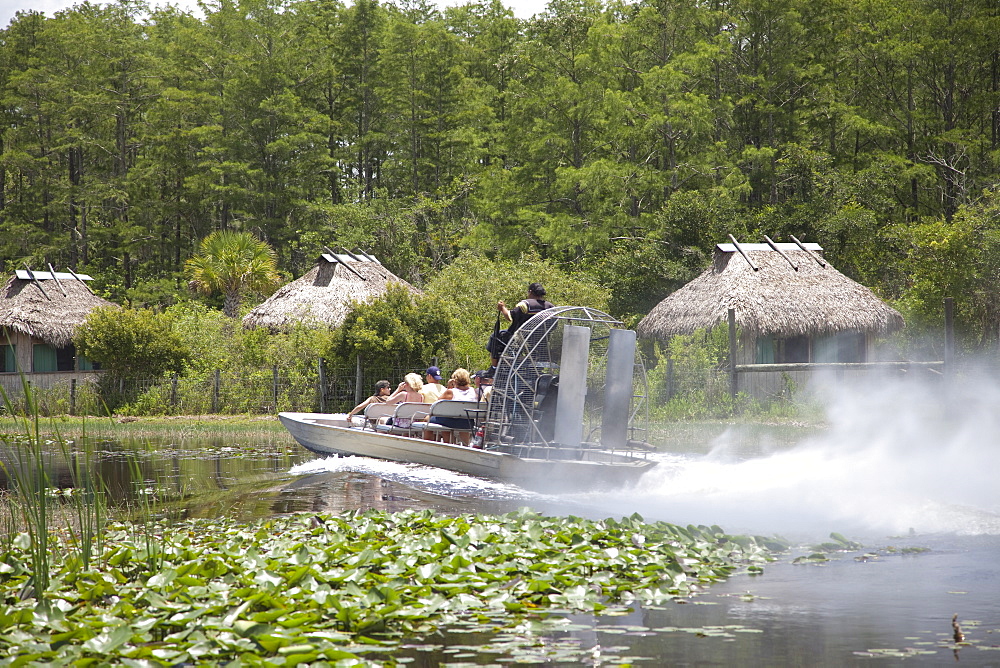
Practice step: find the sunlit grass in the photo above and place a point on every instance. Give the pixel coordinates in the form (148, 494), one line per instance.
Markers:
(192, 426)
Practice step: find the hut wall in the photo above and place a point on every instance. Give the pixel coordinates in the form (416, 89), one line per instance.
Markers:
(23, 358)
(772, 384)
(12, 383)
(23, 346)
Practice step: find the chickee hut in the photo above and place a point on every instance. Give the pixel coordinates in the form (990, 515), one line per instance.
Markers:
(323, 296)
(39, 314)
(790, 306)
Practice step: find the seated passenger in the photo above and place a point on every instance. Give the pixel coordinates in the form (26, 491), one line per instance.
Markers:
(408, 390)
(380, 396)
(432, 385)
(459, 389)
(484, 385)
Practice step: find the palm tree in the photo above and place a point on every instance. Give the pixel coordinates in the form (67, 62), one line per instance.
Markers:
(233, 263)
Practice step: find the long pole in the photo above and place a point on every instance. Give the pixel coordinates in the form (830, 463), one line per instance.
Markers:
(732, 356)
(949, 334)
(357, 381)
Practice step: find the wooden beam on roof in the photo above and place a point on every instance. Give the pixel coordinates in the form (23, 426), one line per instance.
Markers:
(77, 277)
(743, 253)
(813, 255)
(31, 275)
(344, 264)
(780, 252)
(56, 279)
(368, 256)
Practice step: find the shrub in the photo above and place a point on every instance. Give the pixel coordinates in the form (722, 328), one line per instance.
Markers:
(131, 343)
(469, 289)
(397, 328)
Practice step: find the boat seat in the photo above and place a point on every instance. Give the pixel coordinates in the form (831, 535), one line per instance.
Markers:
(451, 408)
(402, 418)
(375, 412)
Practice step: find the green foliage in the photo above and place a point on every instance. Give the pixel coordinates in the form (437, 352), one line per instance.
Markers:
(346, 589)
(132, 343)
(959, 259)
(578, 136)
(469, 288)
(686, 375)
(397, 328)
(638, 274)
(233, 263)
(247, 360)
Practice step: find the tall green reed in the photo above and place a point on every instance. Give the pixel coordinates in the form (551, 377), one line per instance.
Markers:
(36, 504)
(25, 468)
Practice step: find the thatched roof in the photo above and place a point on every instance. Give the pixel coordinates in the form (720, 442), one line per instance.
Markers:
(47, 305)
(793, 291)
(323, 296)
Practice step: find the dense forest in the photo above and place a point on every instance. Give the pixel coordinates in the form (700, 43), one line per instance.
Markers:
(620, 140)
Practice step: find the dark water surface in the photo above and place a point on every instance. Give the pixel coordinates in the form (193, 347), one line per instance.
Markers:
(929, 551)
(919, 494)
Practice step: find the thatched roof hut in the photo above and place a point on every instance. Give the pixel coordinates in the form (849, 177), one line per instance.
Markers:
(323, 296)
(47, 306)
(781, 290)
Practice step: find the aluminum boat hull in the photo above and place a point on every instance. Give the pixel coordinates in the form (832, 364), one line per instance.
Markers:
(332, 434)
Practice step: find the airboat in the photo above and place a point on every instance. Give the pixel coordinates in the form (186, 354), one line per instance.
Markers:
(568, 409)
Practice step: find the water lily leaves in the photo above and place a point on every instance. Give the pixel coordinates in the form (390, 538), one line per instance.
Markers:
(292, 590)
(814, 558)
(108, 641)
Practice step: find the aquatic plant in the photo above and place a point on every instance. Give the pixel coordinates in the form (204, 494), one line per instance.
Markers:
(35, 501)
(313, 588)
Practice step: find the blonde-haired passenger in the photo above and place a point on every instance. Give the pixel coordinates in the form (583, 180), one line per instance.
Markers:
(408, 390)
(460, 389)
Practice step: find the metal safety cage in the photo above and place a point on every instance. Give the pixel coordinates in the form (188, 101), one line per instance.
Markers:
(521, 418)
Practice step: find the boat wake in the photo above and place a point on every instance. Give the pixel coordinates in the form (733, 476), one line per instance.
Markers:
(426, 478)
(896, 459)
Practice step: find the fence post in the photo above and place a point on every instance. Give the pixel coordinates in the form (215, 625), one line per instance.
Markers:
(173, 392)
(357, 381)
(72, 396)
(670, 379)
(215, 391)
(732, 356)
(949, 333)
(321, 386)
(274, 385)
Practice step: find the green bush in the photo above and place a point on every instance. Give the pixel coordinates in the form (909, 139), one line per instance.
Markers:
(131, 343)
(688, 378)
(397, 328)
(469, 288)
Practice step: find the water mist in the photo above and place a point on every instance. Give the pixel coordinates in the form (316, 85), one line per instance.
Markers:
(898, 456)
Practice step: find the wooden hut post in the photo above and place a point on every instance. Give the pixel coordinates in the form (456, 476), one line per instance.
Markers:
(357, 380)
(274, 384)
(215, 391)
(732, 356)
(949, 333)
(321, 386)
(670, 379)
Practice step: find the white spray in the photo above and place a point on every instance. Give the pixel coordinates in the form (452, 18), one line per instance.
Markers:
(898, 456)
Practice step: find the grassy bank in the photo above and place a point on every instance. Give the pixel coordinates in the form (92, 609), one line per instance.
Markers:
(181, 426)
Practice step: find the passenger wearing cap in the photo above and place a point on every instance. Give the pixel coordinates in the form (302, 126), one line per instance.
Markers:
(484, 385)
(432, 389)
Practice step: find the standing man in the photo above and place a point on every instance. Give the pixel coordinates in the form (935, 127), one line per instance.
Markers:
(522, 312)
(432, 389)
